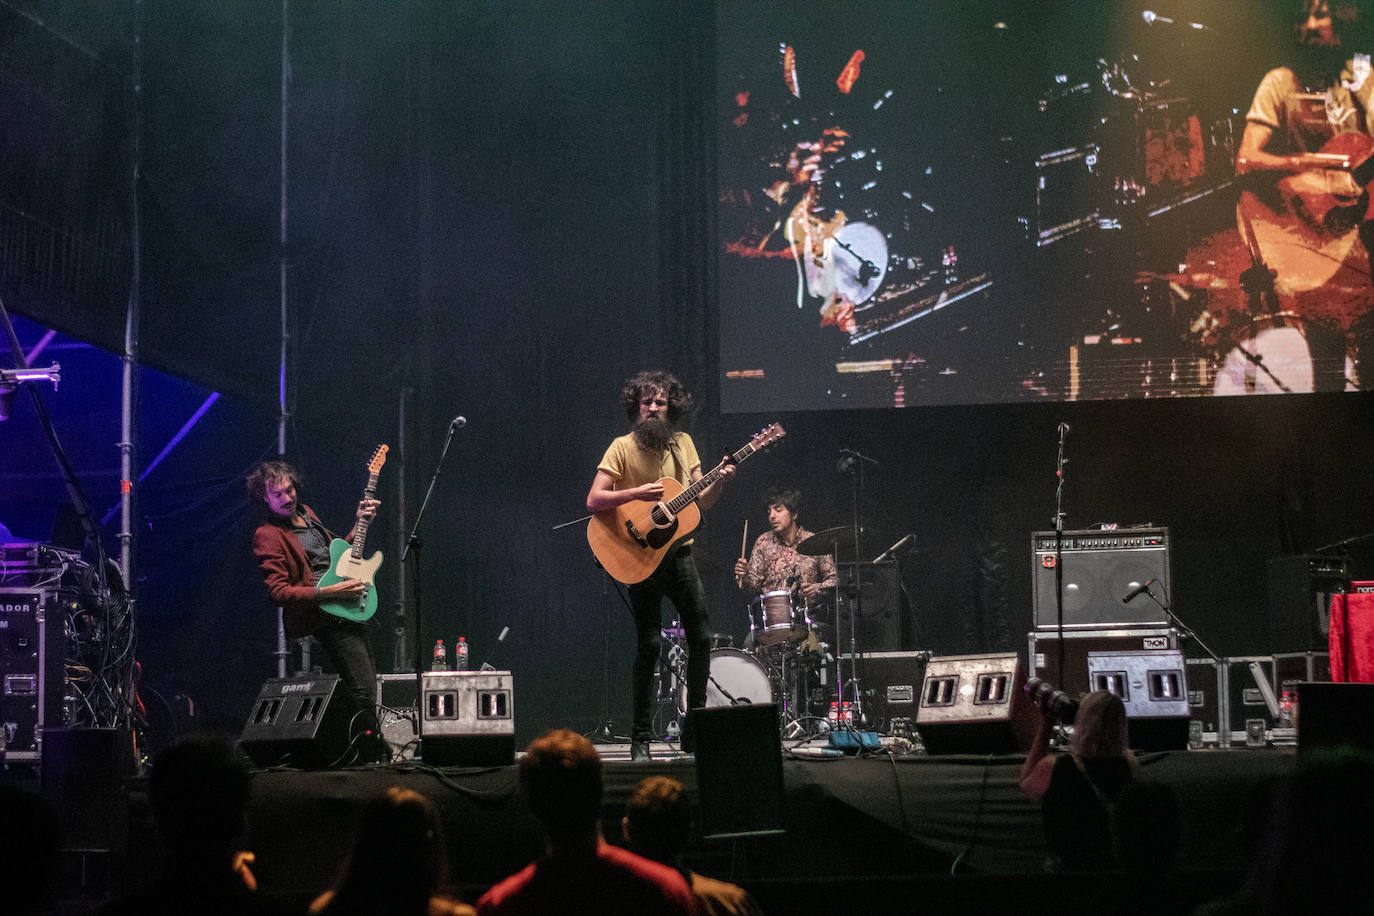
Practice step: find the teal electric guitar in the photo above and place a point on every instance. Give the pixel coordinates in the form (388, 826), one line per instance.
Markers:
(346, 560)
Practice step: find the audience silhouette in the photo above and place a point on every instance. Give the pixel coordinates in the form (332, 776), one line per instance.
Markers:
(399, 864)
(30, 848)
(1315, 848)
(198, 790)
(657, 825)
(1076, 789)
(560, 778)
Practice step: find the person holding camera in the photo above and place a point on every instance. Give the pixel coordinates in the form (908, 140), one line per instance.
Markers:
(1076, 789)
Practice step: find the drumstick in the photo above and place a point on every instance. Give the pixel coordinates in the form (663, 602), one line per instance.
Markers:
(743, 545)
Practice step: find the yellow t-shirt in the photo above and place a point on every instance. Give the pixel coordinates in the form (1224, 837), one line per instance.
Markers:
(629, 465)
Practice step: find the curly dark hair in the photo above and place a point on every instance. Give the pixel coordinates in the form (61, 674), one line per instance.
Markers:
(265, 471)
(679, 398)
(789, 498)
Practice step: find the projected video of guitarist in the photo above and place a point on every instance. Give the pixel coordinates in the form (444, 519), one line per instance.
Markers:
(1305, 168)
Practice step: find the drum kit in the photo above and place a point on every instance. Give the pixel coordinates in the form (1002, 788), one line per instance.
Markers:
(784, 658)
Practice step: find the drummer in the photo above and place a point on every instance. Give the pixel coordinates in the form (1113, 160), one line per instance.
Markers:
(774, 563)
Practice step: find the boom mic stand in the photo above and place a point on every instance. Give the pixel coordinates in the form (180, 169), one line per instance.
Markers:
(1183, 628)
(413, 541)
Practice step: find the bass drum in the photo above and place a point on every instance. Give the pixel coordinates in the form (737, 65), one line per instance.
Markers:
(737, 673)
(1281, 353)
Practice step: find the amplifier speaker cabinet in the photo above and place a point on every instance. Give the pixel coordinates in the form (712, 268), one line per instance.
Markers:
(32, 668)
(397, 713)
(300, 721)
(1300, 590)
(1154, 688)
(1044, 651)
(975, 704)
(1208, 726)
(891, 684)
(1100, 567)
(468, 718)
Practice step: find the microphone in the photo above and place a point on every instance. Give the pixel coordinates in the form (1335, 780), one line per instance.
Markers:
(486, 665)
(1137, 591)
(458, 423)
(1151, 17)
(851, 453)
(894, 548)
(1065, 429)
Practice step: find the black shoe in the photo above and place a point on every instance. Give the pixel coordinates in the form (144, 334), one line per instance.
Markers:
(639, 750)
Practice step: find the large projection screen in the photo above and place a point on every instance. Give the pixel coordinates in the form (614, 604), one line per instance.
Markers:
(936, 203)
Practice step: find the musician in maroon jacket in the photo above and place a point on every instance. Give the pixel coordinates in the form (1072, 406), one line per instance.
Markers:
(292, 549)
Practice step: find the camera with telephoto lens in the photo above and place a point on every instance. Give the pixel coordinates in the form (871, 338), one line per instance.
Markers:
(1054, 703)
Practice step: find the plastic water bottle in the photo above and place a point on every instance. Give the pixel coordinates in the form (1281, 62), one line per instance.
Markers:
(461, 662)
(440, 657)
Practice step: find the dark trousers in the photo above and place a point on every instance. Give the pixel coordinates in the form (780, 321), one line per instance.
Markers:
(351, 656)
(678, 581)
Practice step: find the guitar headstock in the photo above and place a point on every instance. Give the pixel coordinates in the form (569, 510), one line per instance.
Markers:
(767, 436)
(378, 459)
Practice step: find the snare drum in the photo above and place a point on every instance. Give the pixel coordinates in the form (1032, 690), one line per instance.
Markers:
(738, 674)
(774, 619)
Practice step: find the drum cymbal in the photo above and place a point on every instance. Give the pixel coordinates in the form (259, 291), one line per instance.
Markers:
(825, 542)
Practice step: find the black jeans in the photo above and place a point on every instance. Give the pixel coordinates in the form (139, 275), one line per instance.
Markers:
(678, 581)
(351, 656)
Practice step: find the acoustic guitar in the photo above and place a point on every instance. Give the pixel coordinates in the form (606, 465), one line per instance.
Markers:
(346, 560)
(631, 540)
(1306, 225)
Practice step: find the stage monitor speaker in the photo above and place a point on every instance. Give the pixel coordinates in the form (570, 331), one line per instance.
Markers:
(298, 721)
(1300, 590)
(1100, 568)
(975, 704)
(85, 773)
(1044, 651)
(1154, 688)
(467, 718)
(1332, 715)
(739, 770)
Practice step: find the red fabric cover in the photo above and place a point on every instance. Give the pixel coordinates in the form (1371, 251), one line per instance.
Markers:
(1351, 638)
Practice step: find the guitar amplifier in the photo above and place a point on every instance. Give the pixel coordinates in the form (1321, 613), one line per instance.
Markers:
(1300, 590)
(1101, 568)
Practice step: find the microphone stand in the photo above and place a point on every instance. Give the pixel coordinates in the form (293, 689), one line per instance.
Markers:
(852, 463)
(413, 541)
(1182, 627)
(1059, 551)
